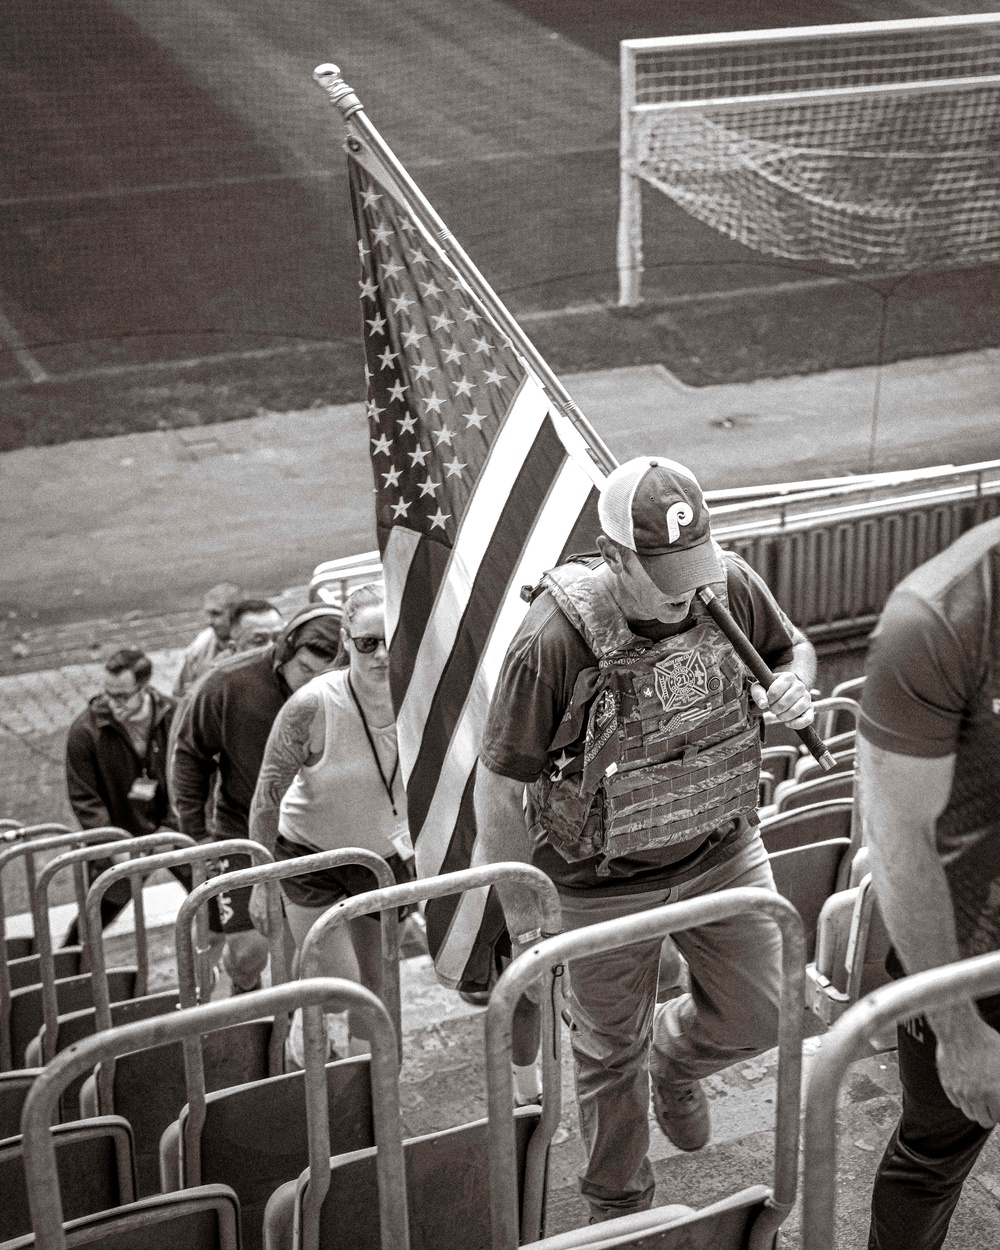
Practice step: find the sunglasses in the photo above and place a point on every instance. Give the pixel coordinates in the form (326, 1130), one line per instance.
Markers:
(366, 644)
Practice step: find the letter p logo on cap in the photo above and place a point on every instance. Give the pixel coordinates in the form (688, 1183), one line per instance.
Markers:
(678, 514)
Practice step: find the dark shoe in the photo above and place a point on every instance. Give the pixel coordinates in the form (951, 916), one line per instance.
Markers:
(681, 1111)
(249, 989)
(475, 998)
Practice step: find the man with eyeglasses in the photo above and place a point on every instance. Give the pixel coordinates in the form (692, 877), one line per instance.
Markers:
(116, 760)
(220, 745)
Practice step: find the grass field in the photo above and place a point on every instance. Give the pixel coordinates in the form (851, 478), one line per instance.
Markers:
(175, 240)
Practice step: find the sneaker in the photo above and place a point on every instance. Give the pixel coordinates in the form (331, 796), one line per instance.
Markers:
(681, 1111)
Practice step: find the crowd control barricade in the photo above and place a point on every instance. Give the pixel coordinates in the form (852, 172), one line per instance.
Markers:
(148, 1087)
(208, 1216)
(14, 1088)
(21, 1005)
(216, 1136)
(449, 1171)
(936, 989)
(125, 984)
(748, 1220)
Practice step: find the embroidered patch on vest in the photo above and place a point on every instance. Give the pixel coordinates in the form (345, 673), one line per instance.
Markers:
(682, 680)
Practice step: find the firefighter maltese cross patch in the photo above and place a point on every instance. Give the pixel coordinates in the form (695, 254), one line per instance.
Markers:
(682, 680)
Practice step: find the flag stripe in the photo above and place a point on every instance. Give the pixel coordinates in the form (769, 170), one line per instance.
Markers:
(569, 496)
(502, 467)
(427, 570)
(539, 470)
(398, 551)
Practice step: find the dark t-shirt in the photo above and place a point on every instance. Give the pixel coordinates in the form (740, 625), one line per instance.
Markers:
(933, 689)
(535, 688)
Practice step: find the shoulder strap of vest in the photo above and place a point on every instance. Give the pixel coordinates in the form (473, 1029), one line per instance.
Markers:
(586, 602)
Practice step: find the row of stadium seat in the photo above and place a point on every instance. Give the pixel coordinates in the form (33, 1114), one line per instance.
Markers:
(194, 1110)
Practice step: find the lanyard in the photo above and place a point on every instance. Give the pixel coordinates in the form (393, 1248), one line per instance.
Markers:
(386, 785)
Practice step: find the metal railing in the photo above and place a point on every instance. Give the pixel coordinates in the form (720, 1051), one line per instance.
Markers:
(832, 550)
(939, 988)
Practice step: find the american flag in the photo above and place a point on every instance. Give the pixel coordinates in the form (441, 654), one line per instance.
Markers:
(481, 484)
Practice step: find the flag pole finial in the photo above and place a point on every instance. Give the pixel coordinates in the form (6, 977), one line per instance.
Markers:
(328, 77)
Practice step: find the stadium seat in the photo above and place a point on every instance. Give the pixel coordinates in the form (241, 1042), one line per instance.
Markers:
(12, 832)
(807, 876)
(795, 794)
(148, 1087)
(96, 1172)
(64, 1021)
(850, 1039)
(208, 1216)
(817, 822)
(21, 1010)
(14, 1088)
(780, 761)
(229, 1116)
(449, 1171)
(839, 712)
(750, 1217)
(808, 769)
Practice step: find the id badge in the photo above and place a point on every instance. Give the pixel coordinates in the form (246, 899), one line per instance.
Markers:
(143, 790)
(401, 840)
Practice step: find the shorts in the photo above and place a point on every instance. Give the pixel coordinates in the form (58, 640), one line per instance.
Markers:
(330, 885)
(229, 912)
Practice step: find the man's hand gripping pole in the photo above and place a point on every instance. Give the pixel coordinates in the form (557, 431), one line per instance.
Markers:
(750, 657)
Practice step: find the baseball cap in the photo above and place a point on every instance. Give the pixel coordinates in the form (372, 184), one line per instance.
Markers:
(654, 507)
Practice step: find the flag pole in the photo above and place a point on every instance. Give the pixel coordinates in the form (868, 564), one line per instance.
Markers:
(352, 111)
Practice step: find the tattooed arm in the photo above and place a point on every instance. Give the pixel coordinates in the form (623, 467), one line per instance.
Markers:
(296, 739)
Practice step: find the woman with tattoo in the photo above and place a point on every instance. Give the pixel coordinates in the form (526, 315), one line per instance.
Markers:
(330, 779)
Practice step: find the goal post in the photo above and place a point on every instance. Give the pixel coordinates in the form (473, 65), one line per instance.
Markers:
(869, 146)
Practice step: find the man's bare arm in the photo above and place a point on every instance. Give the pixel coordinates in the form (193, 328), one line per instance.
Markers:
(502, 835)
(290, 745)
(902, 797)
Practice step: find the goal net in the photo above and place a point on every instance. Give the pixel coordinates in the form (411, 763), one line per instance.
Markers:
(874, 147)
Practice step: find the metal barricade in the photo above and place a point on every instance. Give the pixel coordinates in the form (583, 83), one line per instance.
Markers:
(77, 859)
(28, 849)
(269, 874)
(314, 996)
(548, 956)
(545, 898)
(935, 989)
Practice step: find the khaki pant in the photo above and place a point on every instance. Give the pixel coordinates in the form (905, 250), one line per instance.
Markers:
(730, 1014)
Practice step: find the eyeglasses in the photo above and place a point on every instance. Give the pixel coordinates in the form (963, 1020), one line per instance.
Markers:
(121, 698)
(366, 643)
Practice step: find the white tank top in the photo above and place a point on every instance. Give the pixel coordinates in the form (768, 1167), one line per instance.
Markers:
(340, 800)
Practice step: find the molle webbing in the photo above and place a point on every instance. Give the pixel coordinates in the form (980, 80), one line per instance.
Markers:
(682, 800)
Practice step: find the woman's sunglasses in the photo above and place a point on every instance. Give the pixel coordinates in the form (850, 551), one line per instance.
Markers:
(366, 643)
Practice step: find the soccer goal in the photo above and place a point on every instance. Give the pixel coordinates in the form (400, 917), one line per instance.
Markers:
(873, 146)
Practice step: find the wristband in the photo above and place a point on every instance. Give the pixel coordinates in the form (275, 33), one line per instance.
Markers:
(527, 939)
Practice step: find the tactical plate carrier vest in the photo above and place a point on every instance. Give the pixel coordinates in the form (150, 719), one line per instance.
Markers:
(672, 748)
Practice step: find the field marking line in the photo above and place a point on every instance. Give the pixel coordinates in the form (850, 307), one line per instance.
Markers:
(243, 180)
(11, 336)
(689, 297)
(544, 314)
(186, 362)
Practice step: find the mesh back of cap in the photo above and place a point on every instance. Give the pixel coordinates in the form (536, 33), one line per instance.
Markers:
(614, 507)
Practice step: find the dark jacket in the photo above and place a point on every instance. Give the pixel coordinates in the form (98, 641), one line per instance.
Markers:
(223, 729)
(102, 764)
